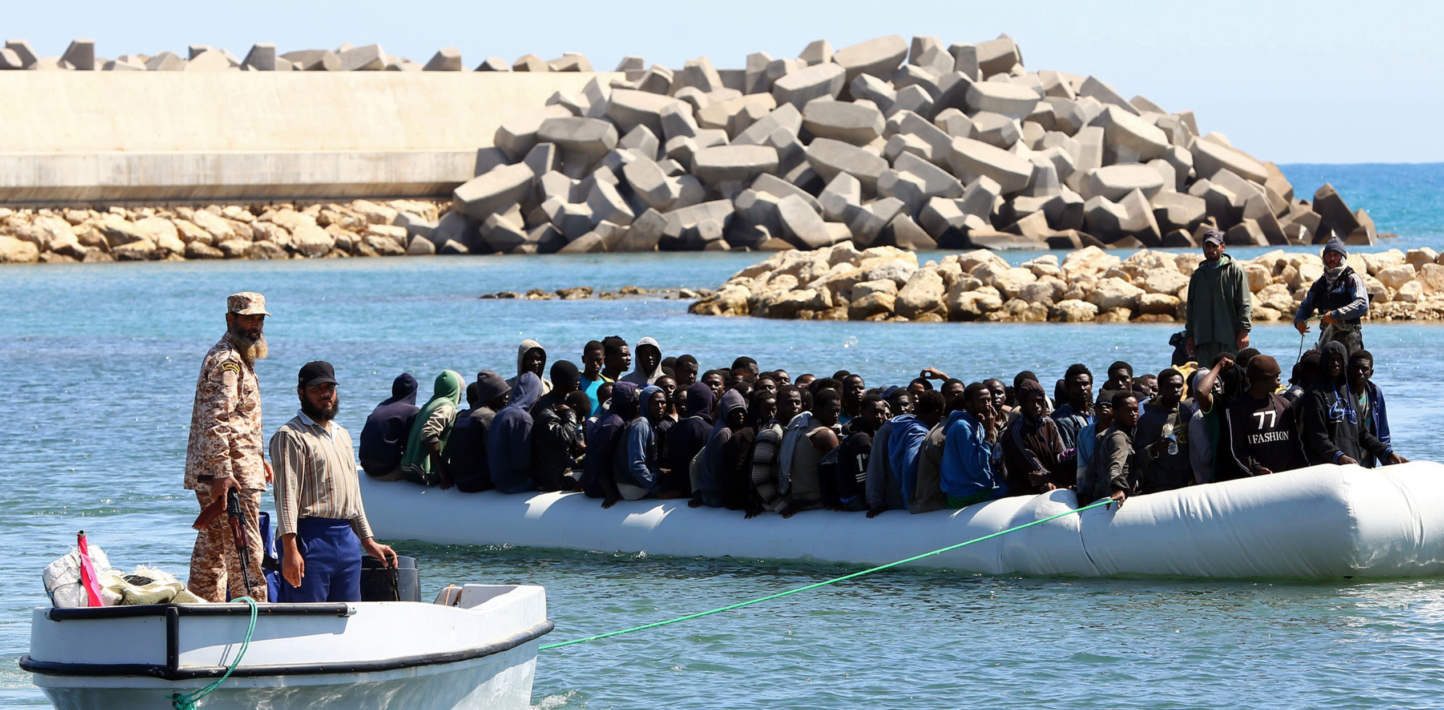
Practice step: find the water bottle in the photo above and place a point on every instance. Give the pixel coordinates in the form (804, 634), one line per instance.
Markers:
(1172, 442)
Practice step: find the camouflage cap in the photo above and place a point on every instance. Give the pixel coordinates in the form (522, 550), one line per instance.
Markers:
(246, 303)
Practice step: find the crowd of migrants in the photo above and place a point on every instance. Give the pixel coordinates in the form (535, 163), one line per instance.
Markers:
(755, 440)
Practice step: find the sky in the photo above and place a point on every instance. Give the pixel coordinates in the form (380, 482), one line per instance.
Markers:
(1292, 82)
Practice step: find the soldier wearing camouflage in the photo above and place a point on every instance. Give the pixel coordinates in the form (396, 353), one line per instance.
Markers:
(226, 443)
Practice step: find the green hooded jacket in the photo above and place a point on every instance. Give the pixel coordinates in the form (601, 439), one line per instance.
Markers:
(416, 461)
(1219, 302)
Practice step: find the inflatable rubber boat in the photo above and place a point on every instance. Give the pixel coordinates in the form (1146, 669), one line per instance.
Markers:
(475, 648)
(1323, 522)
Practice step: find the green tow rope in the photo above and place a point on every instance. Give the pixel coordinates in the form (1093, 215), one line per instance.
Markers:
(835, 580)
(188, 701)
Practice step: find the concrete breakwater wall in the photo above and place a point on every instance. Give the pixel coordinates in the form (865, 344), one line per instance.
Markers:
(888, 284)
(93, 139)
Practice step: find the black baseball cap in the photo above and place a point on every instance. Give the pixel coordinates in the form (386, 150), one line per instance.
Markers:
(1213, 235)
(315, 373)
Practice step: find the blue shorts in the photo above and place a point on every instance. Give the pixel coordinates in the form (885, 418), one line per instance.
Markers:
(332, 554)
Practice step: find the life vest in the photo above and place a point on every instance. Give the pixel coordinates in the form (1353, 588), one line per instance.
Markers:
(1331, 298)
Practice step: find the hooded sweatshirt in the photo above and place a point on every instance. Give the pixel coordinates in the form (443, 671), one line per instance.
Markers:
(710, 473)
(521, 351)
(1219, 302)
(903, 445)
(1332, 425)
(884, 489)
(466, 449)
(637, 376)
(603, 437)
(554, 438)
(508, 443)
(432, 425)
(971, 465)
(688, 436)
(383, 438)
(635, 459)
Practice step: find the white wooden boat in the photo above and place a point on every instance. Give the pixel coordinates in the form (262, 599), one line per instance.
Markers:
(478, 652)
(1323, 522)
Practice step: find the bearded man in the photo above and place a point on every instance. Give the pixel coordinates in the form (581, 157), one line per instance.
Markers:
(225, 452)
(320, 519)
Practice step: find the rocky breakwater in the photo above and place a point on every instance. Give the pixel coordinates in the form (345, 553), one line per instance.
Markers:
(273, 231)
(1089, 285)
(917, 145)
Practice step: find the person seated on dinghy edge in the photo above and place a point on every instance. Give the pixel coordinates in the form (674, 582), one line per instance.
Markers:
(1370, 400)
(1334, 430)
(767, 453)
(1032, 448)
(320, 517)
(1087, 454)
(1117, 477)
(905, 441)
(509, 441)
(423, 461)
(1162, 437)
(557, 442)
(635, 468)
(809, 438)
(466, 465)
(712, 490)
(854, 454)
(927, 495)
(1261, 423)
(737, 458)
(383, 438)
(972, 470)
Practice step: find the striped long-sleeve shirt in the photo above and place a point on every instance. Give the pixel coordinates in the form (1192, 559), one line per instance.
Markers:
(315, 467)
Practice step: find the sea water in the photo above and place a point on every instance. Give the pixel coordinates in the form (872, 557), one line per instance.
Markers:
(99, 365)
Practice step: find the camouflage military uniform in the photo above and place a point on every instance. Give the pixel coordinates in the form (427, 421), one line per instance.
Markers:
(226, 441)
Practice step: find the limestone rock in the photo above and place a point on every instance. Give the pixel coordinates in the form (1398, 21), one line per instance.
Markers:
(1114, 293)
(1158, 304)
(1074, 311)
(310, 241)
(923, 293)
(18, 251)
(871, 305)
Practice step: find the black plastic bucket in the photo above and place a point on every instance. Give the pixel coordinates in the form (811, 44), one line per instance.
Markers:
(380, 584)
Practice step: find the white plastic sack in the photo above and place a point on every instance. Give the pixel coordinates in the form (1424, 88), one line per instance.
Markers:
(62, 579)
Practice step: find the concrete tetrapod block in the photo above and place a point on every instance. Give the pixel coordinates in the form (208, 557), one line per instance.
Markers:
(913, 98)
(304, 59)
(24, 51)
(518, 134)
(879, 57)
(447, 59)
(868, 221)
(629, 109)
(1044, 183)
(971, 159)
(996, 130)
(1130, 138)
(754, 76)
(909, 123)
(784, 116)
(855, 123)
(493, 64)
(368, 58)
(1140, 223)
(816, 52)
(209, 60)
(1093, 87)
(1335, 213)
(167, 61)
(998, 56)
(1210, 157)
(842, 192)
(829, 157)
(903, 186)
(642, 141)
(570, 62)
(606, 204)
(644, 232)
(965, 60)
(80, 55)
(530, 63)
(583, 141)
(1176, 210)
(9, 59)
(773, 185)
(733, 164)
(1012, 100)
(701, 74)
(651, 185)
(262, 57)
(501, 234)
(955, 123)
(496, 191)
(801, 225)
(1115, 181)
(936, 181)
(814, 82)
(979, 197)
(867, 87)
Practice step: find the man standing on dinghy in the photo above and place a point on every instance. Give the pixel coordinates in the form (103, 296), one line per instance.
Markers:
(321, 521)
(1219, 304)
(224, 452)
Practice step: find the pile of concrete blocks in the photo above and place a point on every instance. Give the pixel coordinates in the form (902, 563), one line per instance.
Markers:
(80, 56)
(916, 144)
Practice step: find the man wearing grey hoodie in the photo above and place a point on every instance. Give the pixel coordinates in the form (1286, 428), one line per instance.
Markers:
(531, 357)
(1219, 303)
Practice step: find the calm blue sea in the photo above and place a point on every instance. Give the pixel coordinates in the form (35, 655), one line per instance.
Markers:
(99, 364)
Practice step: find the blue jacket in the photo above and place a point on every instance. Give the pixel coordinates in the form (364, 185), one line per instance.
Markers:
(508, 442)
(636, 463)
(970, 463)
(906, 440)
(1378, 418)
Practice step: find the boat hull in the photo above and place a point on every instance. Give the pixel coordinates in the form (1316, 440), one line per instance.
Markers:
(477, 651)
(1323, 522)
